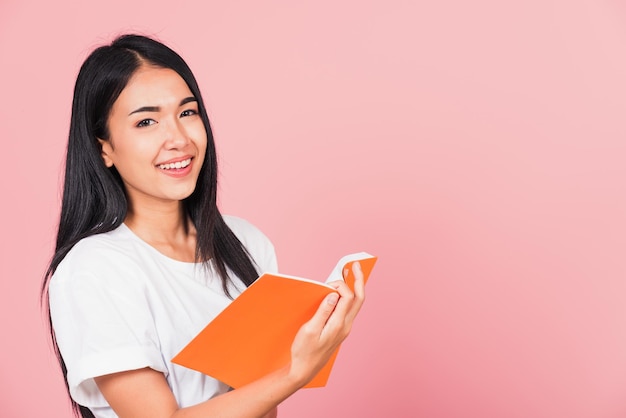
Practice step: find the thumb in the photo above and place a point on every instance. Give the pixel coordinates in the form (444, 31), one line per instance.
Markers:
(324, 311)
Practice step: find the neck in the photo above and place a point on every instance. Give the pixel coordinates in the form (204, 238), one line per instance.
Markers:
(164, 227)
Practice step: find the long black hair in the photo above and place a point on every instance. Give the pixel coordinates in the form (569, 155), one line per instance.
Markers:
(94, 200)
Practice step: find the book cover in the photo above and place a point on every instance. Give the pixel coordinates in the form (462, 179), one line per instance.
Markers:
(252, 336)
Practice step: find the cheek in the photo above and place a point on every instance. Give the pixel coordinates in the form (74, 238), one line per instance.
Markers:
(200, 139)
(203, 145)
(133, 150)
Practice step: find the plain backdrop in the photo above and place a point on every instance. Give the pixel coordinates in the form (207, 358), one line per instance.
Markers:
(476, 147)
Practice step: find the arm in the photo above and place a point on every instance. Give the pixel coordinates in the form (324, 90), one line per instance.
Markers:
(145, 393)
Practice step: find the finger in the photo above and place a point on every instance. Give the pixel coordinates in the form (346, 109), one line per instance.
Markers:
(324, 311)
(342, 288)
(335, 284)
(359, 292)
(359, 280)
(344, 305)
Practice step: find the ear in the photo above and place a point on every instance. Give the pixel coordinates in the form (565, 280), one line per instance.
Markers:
(107, 151)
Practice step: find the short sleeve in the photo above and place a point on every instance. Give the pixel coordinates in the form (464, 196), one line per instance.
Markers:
(102, 321)
(256, 242)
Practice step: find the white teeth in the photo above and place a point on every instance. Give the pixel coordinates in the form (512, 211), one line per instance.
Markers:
(178, 164)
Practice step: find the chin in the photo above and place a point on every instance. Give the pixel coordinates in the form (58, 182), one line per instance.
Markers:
(188, 193)
(181, 196)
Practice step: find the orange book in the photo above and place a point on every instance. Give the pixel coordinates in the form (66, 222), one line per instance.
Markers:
(252, 336)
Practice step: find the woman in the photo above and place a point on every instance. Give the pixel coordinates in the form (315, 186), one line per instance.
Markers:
(144, 259)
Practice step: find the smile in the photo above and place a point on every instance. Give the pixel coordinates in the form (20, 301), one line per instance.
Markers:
(176, 165)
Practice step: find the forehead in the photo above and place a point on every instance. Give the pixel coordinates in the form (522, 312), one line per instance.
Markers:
(153, 86)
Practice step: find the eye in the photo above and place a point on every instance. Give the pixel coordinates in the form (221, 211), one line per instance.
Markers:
(188, 112)
(145, 122)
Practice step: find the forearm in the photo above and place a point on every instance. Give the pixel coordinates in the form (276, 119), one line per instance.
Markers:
(253, 400)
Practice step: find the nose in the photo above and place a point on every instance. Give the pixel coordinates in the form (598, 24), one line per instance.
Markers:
(175, 135)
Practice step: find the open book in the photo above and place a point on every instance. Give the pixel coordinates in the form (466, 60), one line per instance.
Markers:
(252, 336)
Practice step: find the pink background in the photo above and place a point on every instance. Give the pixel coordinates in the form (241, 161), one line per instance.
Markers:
(476, 147)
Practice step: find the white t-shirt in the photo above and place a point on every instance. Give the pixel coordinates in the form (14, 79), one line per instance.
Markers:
(118, 304)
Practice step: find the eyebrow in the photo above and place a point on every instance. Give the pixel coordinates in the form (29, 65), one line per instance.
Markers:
(158, 108)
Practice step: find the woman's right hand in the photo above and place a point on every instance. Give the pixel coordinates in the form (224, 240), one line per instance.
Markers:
(318, 339)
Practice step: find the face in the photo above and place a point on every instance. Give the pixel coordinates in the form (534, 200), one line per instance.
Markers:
(157, 139)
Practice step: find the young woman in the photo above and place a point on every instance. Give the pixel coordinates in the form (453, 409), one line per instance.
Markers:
(144, 260)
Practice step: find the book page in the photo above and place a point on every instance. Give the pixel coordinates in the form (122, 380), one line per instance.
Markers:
(337, 273)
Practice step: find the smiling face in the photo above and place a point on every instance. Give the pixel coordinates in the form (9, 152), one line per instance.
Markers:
(157, 140)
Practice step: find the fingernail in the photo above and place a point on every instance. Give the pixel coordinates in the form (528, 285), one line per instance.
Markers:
(332, 299)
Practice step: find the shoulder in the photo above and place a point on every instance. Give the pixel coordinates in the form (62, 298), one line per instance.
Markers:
(101, 254)
(246, 232)
(254, 240)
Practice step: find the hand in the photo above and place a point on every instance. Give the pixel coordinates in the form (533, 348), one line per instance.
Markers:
(318, 339)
